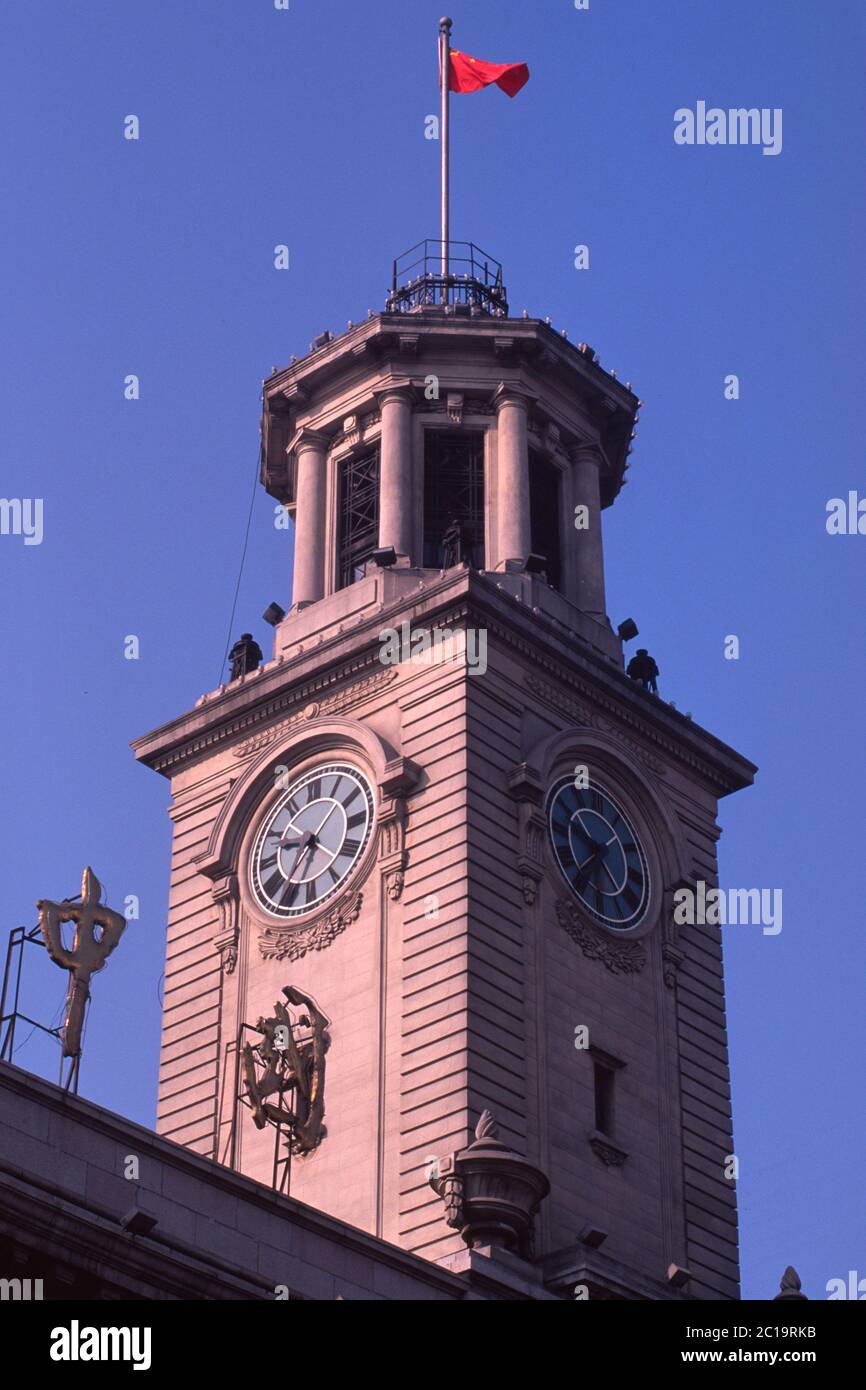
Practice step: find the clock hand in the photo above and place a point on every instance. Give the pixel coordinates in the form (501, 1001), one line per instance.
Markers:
(328, 813)
(608, 872)
(596, 847)
(307, 839)
(582, 868)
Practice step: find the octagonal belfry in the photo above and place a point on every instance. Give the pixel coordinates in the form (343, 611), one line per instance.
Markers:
(444, 409)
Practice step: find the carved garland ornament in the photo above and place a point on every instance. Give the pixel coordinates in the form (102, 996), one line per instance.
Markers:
(619, 957)
(290, 943)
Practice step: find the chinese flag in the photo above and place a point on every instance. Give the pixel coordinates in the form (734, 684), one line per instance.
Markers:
(471, 74)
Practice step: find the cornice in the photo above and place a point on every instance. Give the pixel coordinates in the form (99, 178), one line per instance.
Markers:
(561, 681)
(597, 688)
(195, 744)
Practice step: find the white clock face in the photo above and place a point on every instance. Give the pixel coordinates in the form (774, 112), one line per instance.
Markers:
(311, 840)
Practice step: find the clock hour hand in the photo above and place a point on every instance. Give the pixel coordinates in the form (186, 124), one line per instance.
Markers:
(586, 867)
(307, 839)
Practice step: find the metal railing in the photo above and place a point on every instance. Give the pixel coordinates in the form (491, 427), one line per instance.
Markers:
(465, 279)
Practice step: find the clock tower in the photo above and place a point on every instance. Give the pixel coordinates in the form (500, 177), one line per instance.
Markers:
(439, 831)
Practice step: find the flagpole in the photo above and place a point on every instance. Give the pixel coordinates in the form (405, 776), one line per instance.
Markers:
(444, 151)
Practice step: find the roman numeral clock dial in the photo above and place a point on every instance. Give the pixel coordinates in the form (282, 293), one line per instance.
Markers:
(311, 840)
(598, 853)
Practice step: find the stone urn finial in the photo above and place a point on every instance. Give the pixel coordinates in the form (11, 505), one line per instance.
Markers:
(790, 1287)
(491, 1195)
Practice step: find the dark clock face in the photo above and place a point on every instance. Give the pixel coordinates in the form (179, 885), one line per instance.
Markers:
(598, 853)
(311, 840)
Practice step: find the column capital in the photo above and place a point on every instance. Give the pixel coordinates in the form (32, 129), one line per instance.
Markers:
(509, 395)
(306, 438)
(400, 393)
(587, 451)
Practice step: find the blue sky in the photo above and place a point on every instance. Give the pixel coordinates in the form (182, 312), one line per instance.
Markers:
(306, 127)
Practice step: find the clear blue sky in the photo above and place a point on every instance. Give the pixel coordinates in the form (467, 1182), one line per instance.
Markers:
(307, 127)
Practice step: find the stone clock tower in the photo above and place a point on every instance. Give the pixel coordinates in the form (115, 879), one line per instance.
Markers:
(443, 827)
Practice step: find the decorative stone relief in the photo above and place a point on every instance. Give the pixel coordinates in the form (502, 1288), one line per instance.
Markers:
(672, 959)
(290, 943)
(672, 956)
(393, 857)
(619, 957)
(225, 894)
(551, 437)
(525, 786)
(334, 704)
(605, 1149)
(530, 861)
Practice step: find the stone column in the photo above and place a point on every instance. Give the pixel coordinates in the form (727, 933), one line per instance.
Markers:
(514, 532)
(395, 471)
(589, 559)
(308, 583)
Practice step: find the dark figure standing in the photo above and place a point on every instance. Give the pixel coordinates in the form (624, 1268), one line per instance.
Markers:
(245, 655)
(642, 668)
(452, 544)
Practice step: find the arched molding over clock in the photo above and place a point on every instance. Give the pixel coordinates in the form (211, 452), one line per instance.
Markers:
(359, 764)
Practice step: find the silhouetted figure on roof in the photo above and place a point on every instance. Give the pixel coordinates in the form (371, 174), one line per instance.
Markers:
(245, 655)
(642, 668)
(453, 542)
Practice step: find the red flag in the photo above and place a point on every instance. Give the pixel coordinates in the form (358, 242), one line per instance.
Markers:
(471, 74)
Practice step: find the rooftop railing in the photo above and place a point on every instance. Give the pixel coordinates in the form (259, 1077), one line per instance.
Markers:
(466, 279)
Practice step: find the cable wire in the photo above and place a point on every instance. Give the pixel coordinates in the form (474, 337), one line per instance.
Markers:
(240, 573)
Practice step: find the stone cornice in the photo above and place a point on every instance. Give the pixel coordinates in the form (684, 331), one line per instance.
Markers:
(596, 681)
(163, 752)
(570, 672)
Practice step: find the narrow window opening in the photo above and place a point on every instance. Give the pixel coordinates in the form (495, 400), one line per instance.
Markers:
(604, 1088)
(453, 492)
(358, 515)
(544, 514)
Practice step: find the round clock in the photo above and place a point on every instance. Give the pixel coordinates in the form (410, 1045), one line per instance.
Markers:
(311, 839)
(598, 853)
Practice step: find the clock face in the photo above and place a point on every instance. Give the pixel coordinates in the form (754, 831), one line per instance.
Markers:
(311, 840)
(598, 853)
